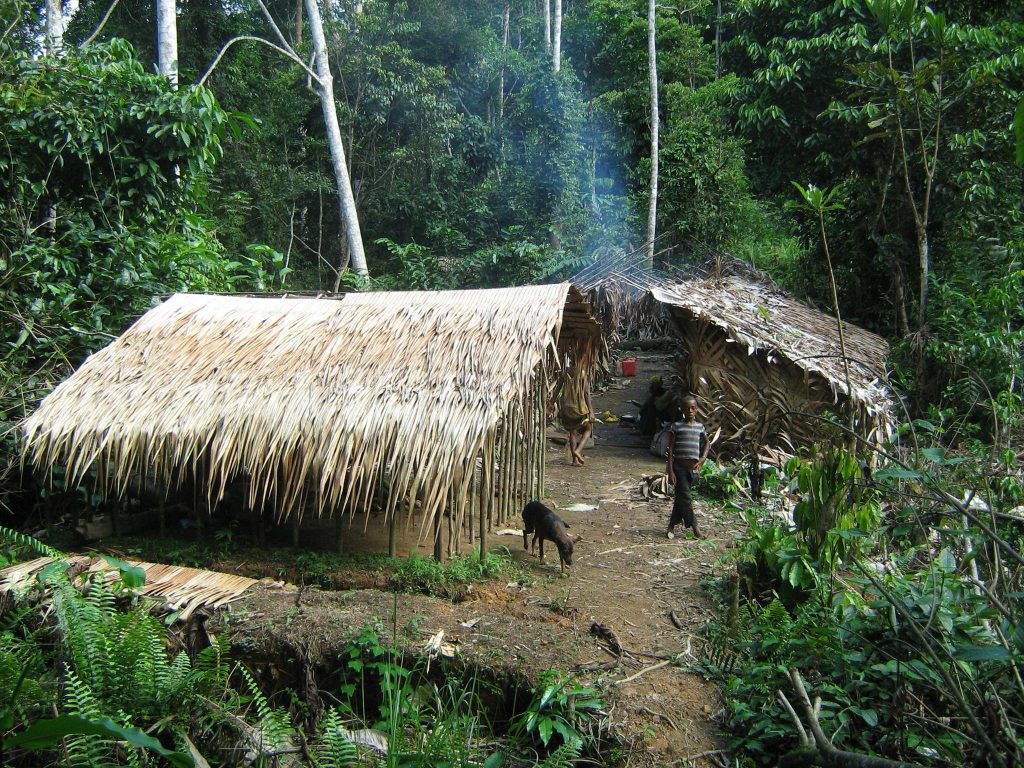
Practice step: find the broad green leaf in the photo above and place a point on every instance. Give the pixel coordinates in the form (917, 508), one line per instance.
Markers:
(46, 733)
(946, 561)
(981, 653)
(133, 576)
(544, 729)
(897, 473)
(869, 716)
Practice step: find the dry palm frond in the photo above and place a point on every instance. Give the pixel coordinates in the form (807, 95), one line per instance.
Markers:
(181, 589)
(319, 401)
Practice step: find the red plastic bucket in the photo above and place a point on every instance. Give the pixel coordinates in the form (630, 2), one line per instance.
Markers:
(629, 367)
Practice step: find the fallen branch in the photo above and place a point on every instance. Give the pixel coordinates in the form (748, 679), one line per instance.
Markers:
(643, 671)
(816, 748)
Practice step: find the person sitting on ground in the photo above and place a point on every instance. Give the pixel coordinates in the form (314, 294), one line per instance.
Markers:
(687, 448)
(649, 416)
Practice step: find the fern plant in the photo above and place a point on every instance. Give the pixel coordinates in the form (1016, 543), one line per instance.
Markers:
(86, 751)
(333, 747)
(276, 733)
(564, 756)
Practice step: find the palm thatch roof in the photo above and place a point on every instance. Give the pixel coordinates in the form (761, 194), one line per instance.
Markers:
(324, 403)
(754, 321)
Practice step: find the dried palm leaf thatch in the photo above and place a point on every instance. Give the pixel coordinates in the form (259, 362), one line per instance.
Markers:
(762, 361)
(182, 589)
(321, 403)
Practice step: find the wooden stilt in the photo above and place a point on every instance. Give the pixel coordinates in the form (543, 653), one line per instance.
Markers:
(438, 528)
(392, 535)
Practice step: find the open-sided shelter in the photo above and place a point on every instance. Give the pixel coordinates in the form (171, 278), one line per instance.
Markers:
(422, 402)
(765, 365)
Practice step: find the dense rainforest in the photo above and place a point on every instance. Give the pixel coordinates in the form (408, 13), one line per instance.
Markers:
(485, 143)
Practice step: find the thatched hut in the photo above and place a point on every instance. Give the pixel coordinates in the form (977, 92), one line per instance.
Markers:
(417, 403)
(764, 365)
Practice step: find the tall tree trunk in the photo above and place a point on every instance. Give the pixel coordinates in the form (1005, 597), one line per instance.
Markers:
(556, 54)
(718, 41)
(501, 91)
(167, 40)
(346, 200)
(55, 26)
(297, 34)
(504, 50)
(547, 25)
(652, 58)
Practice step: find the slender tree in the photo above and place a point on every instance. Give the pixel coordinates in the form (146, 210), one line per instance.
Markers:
(556, 55)
(325, 89)
(547, 25)
(167, 40)
(652, 70)
(55, 26)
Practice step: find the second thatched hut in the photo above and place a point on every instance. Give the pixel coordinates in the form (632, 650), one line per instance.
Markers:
(768, 367)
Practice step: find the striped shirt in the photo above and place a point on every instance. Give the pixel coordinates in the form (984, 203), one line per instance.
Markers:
(689, 439)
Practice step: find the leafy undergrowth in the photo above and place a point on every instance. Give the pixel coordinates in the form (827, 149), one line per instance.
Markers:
(92, 681)
(327, 570)
(894, 596)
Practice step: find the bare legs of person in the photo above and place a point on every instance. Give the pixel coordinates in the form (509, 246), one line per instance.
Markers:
(577, 439)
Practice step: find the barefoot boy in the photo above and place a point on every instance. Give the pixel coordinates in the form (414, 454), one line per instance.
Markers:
(687, 449)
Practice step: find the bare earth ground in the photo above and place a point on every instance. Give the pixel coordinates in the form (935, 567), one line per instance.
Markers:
(627, 576)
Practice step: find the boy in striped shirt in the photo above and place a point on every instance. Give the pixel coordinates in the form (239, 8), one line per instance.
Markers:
(687, 448)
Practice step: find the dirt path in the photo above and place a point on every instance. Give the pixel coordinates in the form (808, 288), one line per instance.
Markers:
(627, 577)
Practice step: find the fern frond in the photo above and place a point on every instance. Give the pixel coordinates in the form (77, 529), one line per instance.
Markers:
(23, 675)
(84, 621)
(275, 724)
(776, 615)
(85, 751)
(333, 748)
(564, 755)
(32, 543)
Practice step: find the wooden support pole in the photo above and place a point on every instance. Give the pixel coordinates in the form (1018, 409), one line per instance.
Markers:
(392, 535)
(438, 528)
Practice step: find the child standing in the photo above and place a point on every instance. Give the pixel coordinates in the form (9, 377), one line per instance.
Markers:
(687, 448)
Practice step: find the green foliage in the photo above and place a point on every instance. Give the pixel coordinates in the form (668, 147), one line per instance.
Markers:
(330, 570)
(560, 714)
(718, 482)
(419, 574)
(275, 729)
(49, 733)
(95, 673)
(425, 723)
(103, 170)
(836, 510)
(932, 621)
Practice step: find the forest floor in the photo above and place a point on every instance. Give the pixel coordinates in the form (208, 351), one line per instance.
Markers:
(627, 577)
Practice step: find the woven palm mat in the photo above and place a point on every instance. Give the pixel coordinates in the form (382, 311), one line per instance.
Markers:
(182, 589)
